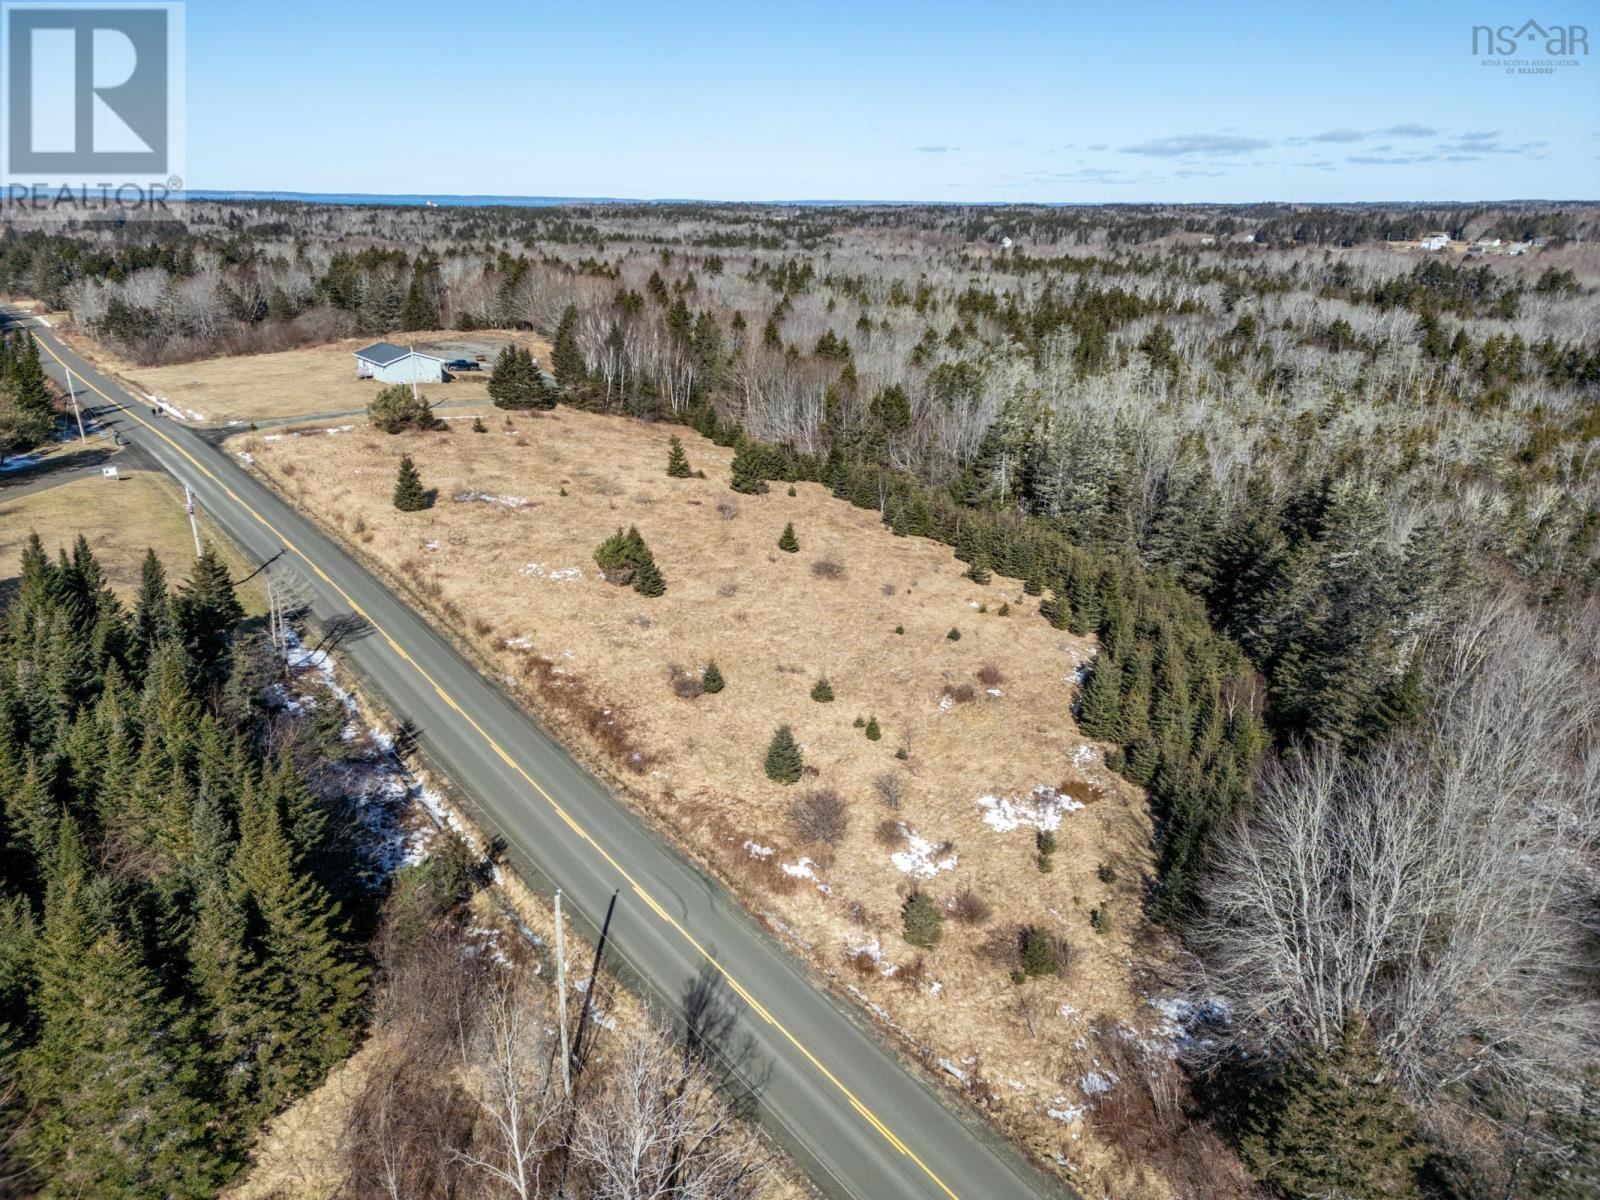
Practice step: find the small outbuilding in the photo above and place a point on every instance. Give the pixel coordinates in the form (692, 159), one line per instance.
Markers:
(388, 363)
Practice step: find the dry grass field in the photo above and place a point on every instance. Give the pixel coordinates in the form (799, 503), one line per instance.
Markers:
(292, 383)
(504, 559)
(121, 518)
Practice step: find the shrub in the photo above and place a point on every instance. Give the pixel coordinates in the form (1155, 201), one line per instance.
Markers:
(1107, 873)
(1004, 610)
(787, 542)
(478, 426)
(624, 558)
(677, 460)
(899, 628)
(873, 732)
(828, 568)
(902, 754)
(989, 675)
(954, 635)
(890, 833)
(1038, 952)
(961, 693)
(686, 686)
(820, 816)
(727, 510)
(978, 572)
(711, 681)
(822, 690)
(792, 492)
(1100, 919)
(784, 762)
(924, 922)
(1045, 840)
(409, 494)
(971, 908)
(888, 789)
(396, 408)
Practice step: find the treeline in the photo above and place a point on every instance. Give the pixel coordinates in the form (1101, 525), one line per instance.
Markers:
(27, 411)
(177, 951)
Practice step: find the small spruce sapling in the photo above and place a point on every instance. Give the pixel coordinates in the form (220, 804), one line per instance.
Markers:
(711, 680)
(873, 732)
(822, 690)
(788, 543)
(784, 762)
(677, 460)
(924, 921)
(409, 494)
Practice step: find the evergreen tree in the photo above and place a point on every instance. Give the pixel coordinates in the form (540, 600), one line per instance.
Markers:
(822, 690)
(206, 611)
(1332, 1127)
(1100, 713)
(409, 494)
(748, 476)
(874, 732)
(1038, 952)
(711, 681)
(108, 1073)
(784, 762)
(565, 356)
(787, 542)
(923, 920)
(677, 460)
(418, 311)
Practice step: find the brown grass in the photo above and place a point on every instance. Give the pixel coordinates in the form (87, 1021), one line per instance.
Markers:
(591, 660)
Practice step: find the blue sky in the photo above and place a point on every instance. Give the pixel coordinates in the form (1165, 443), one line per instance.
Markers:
(887, 100)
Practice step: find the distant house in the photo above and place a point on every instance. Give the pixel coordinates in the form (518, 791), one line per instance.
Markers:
(388, 363)
(1434, 241)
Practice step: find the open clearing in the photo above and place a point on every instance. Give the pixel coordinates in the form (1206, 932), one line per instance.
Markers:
(121, 518)
(292, 383)
(504, 558)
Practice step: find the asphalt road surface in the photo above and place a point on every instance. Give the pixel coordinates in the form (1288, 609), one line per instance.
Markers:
(854, 1118)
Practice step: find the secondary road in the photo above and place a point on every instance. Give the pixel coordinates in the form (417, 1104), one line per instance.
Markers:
(855, 1119)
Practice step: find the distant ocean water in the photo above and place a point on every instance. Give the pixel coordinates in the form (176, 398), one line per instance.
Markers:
(417, 200)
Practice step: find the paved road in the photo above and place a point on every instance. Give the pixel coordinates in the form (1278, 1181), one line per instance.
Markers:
(857, 1121)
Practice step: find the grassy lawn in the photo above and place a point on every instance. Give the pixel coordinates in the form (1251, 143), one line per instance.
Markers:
(121, 518)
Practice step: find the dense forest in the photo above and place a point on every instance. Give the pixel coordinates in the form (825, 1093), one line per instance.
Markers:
(1331, 508)
(178, 948)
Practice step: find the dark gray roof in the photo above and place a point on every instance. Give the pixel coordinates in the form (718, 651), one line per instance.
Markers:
(383, 354)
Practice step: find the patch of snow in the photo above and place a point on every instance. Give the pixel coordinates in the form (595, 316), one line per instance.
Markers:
(936, 987)
(487, 498)
(1042, 810)
(434, 545)
(172, 410)
(757, 850)
(1098, 1083)
(1070, 1115)
(949, 1068)
(800, 870)
(525, 642)
(559, 575)
(995, 692)
(245, 456)
(918, 858)
(1083, 756)
(946, 703)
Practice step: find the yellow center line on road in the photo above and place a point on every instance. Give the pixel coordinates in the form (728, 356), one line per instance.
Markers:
(738, 988)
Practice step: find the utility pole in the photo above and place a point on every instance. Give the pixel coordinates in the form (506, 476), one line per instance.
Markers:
(561, 1001)
(194, 525)
(72, 391)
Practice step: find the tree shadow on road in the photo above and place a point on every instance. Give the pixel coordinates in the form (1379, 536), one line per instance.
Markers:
(714, 1037)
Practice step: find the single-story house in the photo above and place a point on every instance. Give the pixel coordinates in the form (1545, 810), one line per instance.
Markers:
(388, 363)
(1434, 241)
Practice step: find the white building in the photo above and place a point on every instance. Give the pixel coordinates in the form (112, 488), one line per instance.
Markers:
(1434, 241)
(388, 363)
